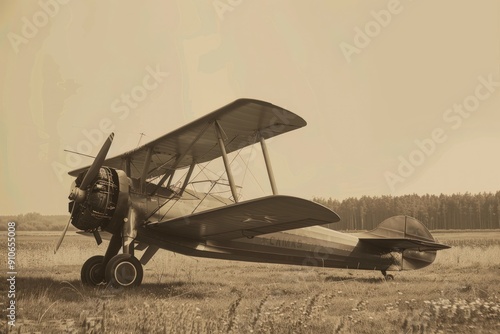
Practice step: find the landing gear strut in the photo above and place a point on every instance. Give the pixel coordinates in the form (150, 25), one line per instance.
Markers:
(388, 277)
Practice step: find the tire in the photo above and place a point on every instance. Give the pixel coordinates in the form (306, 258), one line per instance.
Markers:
(92, 273)
(124, 271)
(389, 277)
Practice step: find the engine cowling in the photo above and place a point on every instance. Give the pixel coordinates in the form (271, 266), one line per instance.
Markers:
(105, 199)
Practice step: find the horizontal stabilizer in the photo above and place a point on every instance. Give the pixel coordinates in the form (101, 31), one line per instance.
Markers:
(399, 233)
(400, 244)
(248, 219)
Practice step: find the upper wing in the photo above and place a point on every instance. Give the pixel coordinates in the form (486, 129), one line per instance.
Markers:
(248, 219)
(197, 142)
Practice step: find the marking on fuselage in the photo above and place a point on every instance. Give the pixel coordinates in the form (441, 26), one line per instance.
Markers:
(284, 243)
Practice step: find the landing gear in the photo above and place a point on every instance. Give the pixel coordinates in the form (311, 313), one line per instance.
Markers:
(93, 271)
(119, 270)
(388, 277)
(124, 270)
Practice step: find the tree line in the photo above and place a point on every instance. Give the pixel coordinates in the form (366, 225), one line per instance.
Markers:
(34, 221)
(457, 211)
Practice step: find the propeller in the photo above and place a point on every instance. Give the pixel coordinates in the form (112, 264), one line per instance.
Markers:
(78, 193)
(65, 229)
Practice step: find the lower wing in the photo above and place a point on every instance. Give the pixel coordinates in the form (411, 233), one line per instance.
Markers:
(248, 219)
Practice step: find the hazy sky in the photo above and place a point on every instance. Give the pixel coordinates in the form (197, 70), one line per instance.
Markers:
(400, 96)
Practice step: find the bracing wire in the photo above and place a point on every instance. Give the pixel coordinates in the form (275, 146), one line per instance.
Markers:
(247, 167)
(204, 169)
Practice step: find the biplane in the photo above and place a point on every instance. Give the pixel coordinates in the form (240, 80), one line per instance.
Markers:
(132, 198)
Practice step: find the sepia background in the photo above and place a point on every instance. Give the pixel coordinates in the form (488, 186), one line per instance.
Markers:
(400, 96)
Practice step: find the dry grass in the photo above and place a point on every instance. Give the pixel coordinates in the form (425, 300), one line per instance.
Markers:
(457, 294)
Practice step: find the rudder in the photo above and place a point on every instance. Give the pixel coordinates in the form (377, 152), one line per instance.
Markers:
(407, 236)
(402, 227)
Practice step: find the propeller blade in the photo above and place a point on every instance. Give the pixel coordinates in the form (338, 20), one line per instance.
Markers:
(98, 161)
(61, 238)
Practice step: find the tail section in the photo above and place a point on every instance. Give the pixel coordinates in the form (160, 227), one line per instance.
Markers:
(408, 236)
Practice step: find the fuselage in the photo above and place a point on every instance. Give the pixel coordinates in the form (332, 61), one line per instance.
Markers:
(310, 246)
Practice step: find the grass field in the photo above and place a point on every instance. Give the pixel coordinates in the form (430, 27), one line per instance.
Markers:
(459, 293)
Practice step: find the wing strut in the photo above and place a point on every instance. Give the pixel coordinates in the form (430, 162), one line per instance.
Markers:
(188, 176)
(178, 160)
(128, 171)
(229, 173)
(268, 165)
(146, 167)
(168, 174)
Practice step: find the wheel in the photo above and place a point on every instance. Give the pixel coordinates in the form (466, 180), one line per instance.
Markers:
(92, 271)
(124, 270)
(387, 277)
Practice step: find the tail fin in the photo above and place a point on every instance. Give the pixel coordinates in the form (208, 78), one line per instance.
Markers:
(408, 236)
